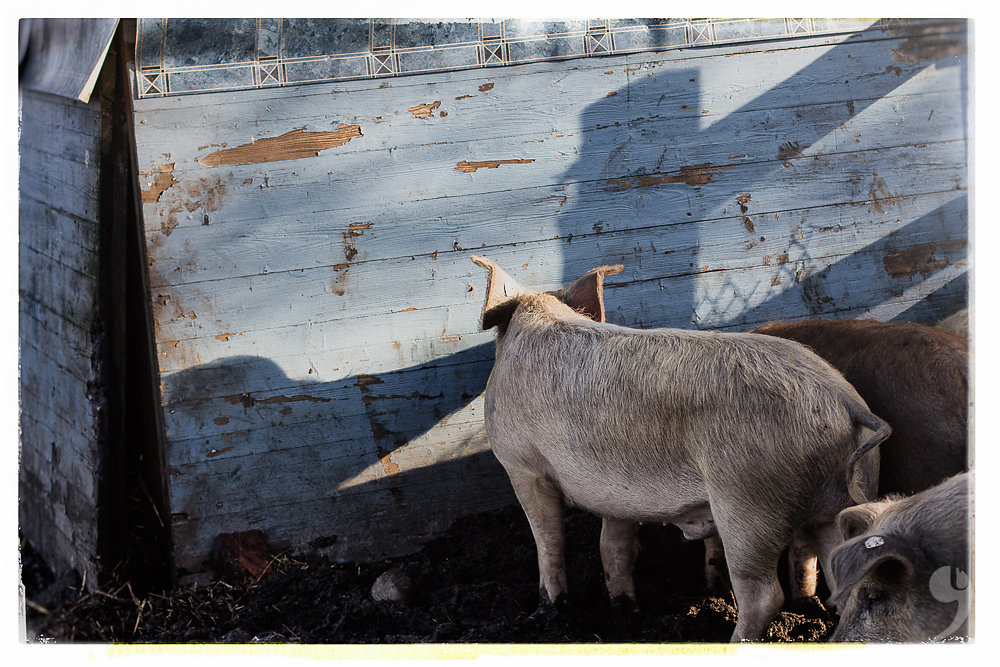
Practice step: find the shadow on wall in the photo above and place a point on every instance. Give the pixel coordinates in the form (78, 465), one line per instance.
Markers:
(663, 198)
(336, 452)
(698, 183)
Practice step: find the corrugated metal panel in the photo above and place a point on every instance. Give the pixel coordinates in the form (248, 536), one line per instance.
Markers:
(317, 316)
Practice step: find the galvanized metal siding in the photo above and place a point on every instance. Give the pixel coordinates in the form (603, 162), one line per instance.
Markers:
(58, 269)
(317, 316)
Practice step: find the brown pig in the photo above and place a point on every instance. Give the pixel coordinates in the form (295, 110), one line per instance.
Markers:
(903, 572)
(913, 376)
(750, 436)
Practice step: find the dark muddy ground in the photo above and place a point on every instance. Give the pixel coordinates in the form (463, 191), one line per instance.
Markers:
(478, 583)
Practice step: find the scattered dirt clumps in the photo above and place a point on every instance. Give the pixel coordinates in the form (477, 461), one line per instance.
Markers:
(477, 583)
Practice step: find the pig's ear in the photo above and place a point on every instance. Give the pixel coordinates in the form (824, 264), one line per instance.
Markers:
(586, 293)
(890, 560)
(501, 294)
(856, 520)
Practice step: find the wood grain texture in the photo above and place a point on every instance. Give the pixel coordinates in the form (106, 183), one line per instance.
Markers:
(317, 319)
(58, 268)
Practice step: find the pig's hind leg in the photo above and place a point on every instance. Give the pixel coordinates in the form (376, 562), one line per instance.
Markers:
(716, 574)
(754, 542)
(619, 549)
(543, 505)
(802, 572)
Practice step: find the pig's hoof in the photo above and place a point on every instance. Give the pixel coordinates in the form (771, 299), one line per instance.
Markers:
(624, 608)
(547, 609)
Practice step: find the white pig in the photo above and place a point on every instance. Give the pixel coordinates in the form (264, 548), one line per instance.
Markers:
(752, 436)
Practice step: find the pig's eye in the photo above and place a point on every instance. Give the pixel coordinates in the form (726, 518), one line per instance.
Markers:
(874, 597)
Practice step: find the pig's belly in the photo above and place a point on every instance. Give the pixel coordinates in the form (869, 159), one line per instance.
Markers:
(680, 499)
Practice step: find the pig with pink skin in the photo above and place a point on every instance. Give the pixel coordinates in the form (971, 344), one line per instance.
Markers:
(750, 436)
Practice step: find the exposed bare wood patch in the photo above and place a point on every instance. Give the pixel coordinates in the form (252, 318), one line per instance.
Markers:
(289, 146)
(918, 259)
(294, 399)
(226, 336)
(365, 381)
(879, 194)
(388, 466)
(424, 110)
(699, 174)
(930, 45)
(164, 179)
(486, 86)
(358, 228)
(469, 167)
(742, 201)
(789, 151)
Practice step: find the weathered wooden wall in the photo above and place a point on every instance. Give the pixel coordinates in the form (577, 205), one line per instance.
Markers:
(75, 211)
(317, 316)
(59, 332)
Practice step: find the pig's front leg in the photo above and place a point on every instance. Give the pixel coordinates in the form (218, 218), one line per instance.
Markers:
(619, 548)
(543, 505)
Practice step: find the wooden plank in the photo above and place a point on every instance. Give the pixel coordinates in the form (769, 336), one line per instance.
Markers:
(65, 239)
(65, 454)
(59, 399)
(65, 357)
(61, 542)
(397, 403)
(206, 491)
(39, 275)
(66, 120)
(65, 185)
(34, 314)
(195, 253)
